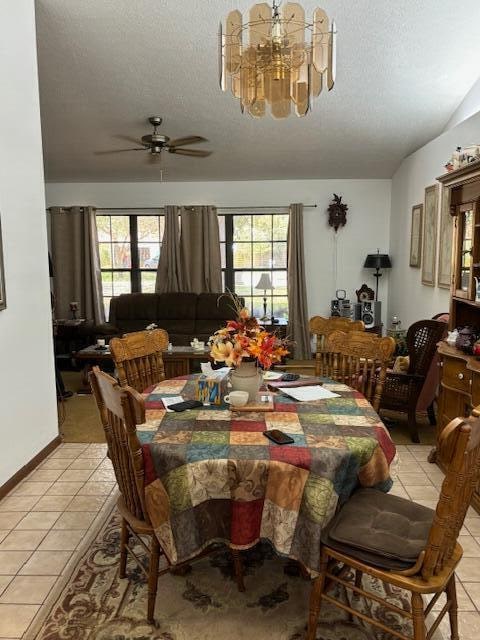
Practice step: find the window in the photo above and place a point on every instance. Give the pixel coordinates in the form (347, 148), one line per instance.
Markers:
(129, 247)
(252, 244)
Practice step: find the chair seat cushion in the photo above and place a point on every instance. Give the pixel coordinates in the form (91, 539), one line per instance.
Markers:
(380, 529)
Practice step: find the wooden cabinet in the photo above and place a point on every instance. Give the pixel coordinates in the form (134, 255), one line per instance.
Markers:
(460, 373)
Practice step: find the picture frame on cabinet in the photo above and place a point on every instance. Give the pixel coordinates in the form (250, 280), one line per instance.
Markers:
(445, 248)
(3, 298)
(429, 244)
(416, 236)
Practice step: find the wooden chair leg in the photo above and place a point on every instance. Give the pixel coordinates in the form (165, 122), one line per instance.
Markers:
(238, 566)
(453, 611)
(124, 536)
(412, 424)
(418, 613)
(153, 578)
(431, 414)
(316, 600)
(358, 578)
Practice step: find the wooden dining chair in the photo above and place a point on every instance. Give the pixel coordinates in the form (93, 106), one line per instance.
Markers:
(322, 328)
(359, 360)
(121, 409)
(138, 358)
(402, 543)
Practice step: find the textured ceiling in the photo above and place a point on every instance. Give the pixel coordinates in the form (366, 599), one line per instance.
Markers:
(105, 65)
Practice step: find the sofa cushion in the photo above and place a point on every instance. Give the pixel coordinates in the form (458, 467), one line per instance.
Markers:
(133, 311)
(176, 313)
(213, 311)
(381, 529)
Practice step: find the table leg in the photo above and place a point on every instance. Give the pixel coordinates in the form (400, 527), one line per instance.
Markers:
(85, 389)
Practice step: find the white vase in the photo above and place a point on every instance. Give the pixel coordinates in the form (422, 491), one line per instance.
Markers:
(247, 377)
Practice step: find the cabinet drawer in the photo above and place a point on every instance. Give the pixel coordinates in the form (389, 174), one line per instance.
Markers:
(456, 375)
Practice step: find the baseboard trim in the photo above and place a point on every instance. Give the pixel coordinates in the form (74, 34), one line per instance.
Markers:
(29, 467)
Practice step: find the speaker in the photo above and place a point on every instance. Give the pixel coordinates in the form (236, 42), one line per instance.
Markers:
(335, 308)
(357, 311)
(371, 313)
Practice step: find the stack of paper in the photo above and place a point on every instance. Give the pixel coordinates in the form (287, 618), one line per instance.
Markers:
(306, 394)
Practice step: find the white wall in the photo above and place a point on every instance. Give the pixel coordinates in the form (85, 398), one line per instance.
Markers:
(408, 298)
(28, 413)
(367, 220)
(467, 108)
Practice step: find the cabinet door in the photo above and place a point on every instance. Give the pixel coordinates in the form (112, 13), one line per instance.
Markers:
(452, 404)
(464, 271)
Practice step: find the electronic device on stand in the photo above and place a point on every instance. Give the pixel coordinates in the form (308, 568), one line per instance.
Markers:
(341, 307)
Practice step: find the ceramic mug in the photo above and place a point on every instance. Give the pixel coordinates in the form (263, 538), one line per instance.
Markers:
(237, 398)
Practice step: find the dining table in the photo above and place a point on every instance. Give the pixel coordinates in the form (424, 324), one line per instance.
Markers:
(211, 476)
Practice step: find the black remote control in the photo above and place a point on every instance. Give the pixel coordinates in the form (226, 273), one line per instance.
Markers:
(186, 404)
(289, 377)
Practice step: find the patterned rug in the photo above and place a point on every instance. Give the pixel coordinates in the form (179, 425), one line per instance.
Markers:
(203, 605)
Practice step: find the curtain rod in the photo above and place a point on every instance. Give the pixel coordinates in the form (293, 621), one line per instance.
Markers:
(283, 206)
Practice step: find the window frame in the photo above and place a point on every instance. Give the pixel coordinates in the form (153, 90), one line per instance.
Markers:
(230, 270)
(135, 270)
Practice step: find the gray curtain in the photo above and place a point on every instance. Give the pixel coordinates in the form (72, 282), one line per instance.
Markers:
(297, 290)
(76, 262)
(200, 250)
(169, 272)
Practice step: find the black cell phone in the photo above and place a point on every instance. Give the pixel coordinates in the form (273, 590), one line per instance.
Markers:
(277, 436)
(186, 404)
(290, 377)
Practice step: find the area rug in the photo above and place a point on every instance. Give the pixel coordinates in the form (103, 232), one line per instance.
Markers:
(205, 604)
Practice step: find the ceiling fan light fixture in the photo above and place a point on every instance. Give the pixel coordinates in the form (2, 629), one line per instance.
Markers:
(269, 61)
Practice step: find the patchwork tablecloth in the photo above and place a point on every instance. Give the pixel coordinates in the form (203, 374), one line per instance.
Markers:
(211, 475)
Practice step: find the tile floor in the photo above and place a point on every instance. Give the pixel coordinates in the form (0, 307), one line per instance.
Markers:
(43, 521)
(45, 518)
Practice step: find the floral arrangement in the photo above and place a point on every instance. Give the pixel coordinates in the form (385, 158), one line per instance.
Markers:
(245, 338)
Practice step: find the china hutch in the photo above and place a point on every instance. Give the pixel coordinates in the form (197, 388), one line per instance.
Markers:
(460, 373)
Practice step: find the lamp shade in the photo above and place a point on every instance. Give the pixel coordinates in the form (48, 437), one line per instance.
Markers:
(377, 261)
(265, 282)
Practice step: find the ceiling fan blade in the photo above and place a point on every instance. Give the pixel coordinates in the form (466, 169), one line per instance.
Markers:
(190, 152)
(101, 153)
(179, 142)
(136, 141)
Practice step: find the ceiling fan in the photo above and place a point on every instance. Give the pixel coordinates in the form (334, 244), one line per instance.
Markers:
(155, 143)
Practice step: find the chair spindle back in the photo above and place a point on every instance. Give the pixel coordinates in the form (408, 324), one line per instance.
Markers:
(138, 358)
(360, 360)
(422, 339)
(121, 409)
(322, 328)
(461, 439)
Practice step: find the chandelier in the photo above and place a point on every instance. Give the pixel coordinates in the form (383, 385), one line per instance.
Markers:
(269, 60)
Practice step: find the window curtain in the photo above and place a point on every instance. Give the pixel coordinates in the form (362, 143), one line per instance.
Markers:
(297, 290)
(76, 262)
(200, 250)
(169, 272)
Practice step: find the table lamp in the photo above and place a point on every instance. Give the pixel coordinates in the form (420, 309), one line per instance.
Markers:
(377, 261)
(265, 283)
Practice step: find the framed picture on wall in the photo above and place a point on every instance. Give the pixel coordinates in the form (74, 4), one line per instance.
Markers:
(430, 223)
(3, 299)
(446, 241)
(416, 236)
